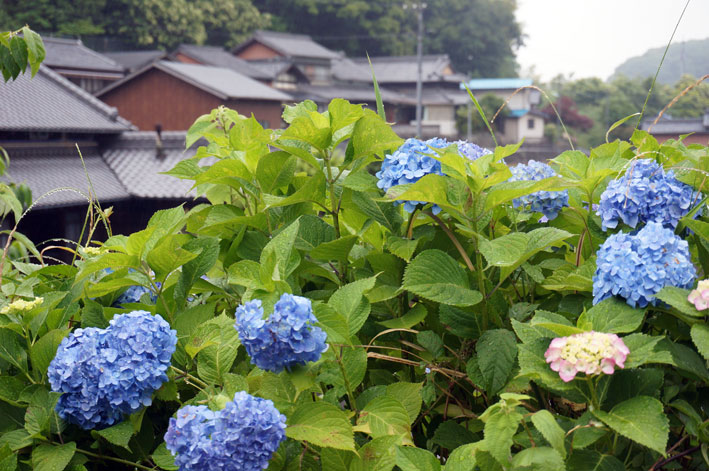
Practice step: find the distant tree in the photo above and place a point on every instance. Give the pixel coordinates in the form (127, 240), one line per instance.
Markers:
(569, 114)
(490, 103)
(229, 22)
(694, 103)
(479, 35)
(587, 91)
(73, 17)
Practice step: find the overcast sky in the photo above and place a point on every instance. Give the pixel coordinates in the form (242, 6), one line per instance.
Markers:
(589, 38)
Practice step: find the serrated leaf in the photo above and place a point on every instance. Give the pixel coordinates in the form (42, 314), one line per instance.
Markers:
(541, 458)
(163, 458)
(215, 360)
(497, 351)
(51, 457)
(552, 432)
(409, 394)
(384, 213)
(351, 304)
(321, 424)
(700, 337)
(613, 316)
(451, 435)
(500, 426)
(591, 460)
(377, 455)
(119, 434)
(677, 298)
(44, 350)
(416, 459)
(640, 419)
(338, 249)
(436, 276)
(401, 247)
(463, 458)
(384, 416)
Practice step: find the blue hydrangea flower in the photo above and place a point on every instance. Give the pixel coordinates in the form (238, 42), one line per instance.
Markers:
(287, 338)
(106, 373)
(645, 193)
(637, 266)
(241, 437)
(410, 162)
(133, 295)
(547, 202)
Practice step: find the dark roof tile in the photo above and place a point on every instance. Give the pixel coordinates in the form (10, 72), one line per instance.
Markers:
(134, 60)
(291, 45)
(219, 57)
(72, 54)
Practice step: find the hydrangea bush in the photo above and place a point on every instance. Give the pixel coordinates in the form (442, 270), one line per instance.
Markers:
(401, 306)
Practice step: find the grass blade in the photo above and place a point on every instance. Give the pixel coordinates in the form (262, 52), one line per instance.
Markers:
(482, 114)
(377, 92)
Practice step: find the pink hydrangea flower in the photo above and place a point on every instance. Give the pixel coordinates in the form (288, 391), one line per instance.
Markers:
(700, 296)
(592, 353)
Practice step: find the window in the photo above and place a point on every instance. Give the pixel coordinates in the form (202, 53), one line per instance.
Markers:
(530, 123)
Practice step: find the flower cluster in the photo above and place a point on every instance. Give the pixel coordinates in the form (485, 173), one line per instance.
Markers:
(133, 295)
(645, 193)
(287, 338)
(241, 437)
(20, 305)
(105, 373)
(637, 266)
(592, 353)
(547, 202)
(700, 296)
(411, 161)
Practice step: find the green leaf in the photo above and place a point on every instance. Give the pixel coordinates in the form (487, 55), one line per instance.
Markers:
(463, 458)
(372, 135)
(451, 435)
(119, 434)
(384, 416)
(462, 323)
(52, 457)
(208, 249)
(436, 276)
(45, 349)
(591, 460)
(409, 394)
(332, 322)
(336, 460)
(279, 257)
(321, 424)
(216, 360)
(169, 255)
(501, 424)
(677, 298)
(417, 314)
(700, 337)
(640, 419)
(377, 92)
(351, 305)
(35, 48)
(430, 340)
(540, 458)
(338, 249)
(384, 213)
(619, 123)
(311, 127)
(497, 351)
(613, 316)
(275, 170)
(40, 414)
(510, 251)
(11, 349)
(416, 459)
(164, 458)
(507, 191)
(377, 455)
(401, 247)
(8, 459)
(552, 432)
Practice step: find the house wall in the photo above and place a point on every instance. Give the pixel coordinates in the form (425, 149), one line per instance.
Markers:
(257, 50)
(441, 115)
(535, 133)
(157, 97)
(520, 101)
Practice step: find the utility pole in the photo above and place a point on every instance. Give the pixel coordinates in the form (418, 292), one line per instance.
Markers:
(419, 8)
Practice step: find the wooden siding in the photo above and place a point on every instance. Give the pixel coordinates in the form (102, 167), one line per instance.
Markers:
(257, 50)
(186, 59)
(156, 97)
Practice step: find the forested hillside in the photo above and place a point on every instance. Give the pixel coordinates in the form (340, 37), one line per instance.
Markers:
(479, 35)
(689, 57)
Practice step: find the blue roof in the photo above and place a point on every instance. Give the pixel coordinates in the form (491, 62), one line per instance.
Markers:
(497, 83)
(518, 113)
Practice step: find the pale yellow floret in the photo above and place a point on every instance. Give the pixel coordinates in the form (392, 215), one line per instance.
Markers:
(93, 250)
(590, 348)
(21, 305)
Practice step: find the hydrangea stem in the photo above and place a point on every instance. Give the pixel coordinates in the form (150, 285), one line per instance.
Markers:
(197, 382)
(592, 390)
(348, 387)
(111, 458)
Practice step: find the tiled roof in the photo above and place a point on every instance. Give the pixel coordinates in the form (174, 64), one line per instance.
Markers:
(72, 54)
(498, 83)
(135, 160)
(676, 126)
(393, 69)
(219, 57)
(273, 67)
(290, 45)
(45, 168)
(218, 81)
(352, 92)
(134, 60)
(49, 102)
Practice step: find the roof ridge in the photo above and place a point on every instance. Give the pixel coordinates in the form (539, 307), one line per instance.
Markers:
(109, 111)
